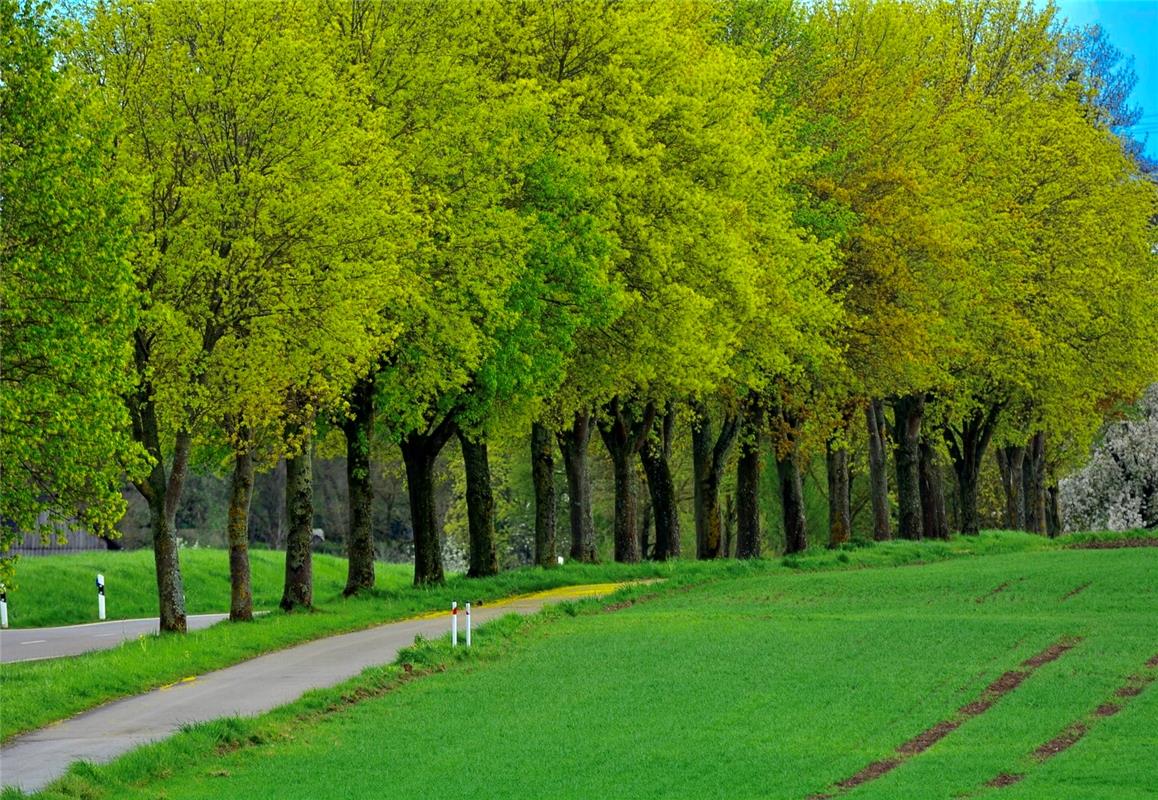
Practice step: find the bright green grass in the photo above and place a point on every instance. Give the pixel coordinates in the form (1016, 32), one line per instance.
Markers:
(767, 684)
(38, 693)
(61, 589)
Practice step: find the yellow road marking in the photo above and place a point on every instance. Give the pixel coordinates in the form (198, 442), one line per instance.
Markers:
(169, 686)
(561, 593)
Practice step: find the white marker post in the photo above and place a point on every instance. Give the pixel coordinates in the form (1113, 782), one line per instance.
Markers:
(100, 596)
(454, 624)
(3, 607)
(468, 624)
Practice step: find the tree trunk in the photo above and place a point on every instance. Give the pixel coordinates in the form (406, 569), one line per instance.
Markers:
(240, 496)
(645, 528)
(878, 470)
(1033, 482)
(792, 503)
(624, 435)
(419, 452)
(299, 514)
(1053, 516)
(360, 539)
(967, 447)
(656, 459)
(480, 509)
(748, 486)
(1009, 461)
(729, 550)
(710, 458)
(543, 477)
(573, 445)
(934, 520)
(908, 411)
(162, 492)
(839, 499)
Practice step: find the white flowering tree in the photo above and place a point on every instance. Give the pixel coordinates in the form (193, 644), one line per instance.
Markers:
(1118, 488)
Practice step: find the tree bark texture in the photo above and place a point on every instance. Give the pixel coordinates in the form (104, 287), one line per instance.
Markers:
(967, 445)
(624, 433)
(748, 486)
(543, 478)
(908, 412)
(839, 498)
(360, 540)
(1053, 517)
(792, 503)
(480, 508)
(878, 470)
(162, 492)
(419, 453)
(299, 514)
(710, 459)
(573, 444)
(1009, 461)
(1033, 485)
(934, 520)
(655, 456)
(240, 496)
(729, 550)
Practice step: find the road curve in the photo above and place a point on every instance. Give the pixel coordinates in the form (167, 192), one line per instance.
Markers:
(33, 644)
(32, 761)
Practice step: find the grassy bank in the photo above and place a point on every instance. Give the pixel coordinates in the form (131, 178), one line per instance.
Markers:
(759, 683)
(61, 589)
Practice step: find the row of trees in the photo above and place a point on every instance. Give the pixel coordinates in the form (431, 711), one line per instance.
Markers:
(235, 227)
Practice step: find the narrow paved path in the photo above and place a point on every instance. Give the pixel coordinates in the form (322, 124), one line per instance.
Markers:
(252, 687)
(32, 644)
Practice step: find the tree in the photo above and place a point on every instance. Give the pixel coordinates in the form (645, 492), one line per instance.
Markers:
(66, 295)
(244, 147)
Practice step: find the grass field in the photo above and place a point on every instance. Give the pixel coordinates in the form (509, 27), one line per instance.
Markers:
(61, 589)
(1027, 668)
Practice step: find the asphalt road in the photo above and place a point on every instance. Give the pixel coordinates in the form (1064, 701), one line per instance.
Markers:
(32, 761)
(30, 644)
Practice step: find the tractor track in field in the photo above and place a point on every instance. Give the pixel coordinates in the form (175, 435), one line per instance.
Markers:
(1072, 733)
(1003, 685)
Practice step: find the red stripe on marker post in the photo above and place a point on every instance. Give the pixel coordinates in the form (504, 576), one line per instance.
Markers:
(454, 624)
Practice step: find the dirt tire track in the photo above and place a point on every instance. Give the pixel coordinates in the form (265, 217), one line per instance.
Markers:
(1133, 686)
(1076, 591)
(1006, 683)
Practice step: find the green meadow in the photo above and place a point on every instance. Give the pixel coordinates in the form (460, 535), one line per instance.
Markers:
(755, 682)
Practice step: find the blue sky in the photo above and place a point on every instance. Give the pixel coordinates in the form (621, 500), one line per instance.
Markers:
(1132, 26)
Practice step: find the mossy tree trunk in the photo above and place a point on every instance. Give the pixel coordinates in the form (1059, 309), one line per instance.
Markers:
(878, 470)
(934, 520)
(748, 485)
(624, 433)
(299, 513)
(967, 443)
(655, 456)
(709, 460)
(419, 452)
(573, 444)
(240, 497)
(483, 559)
(162, 492)
(359, 430)
(839, 498)
(543, 478)
(908, 412)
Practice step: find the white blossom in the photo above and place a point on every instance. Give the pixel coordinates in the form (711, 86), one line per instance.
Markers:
(1118, 488)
